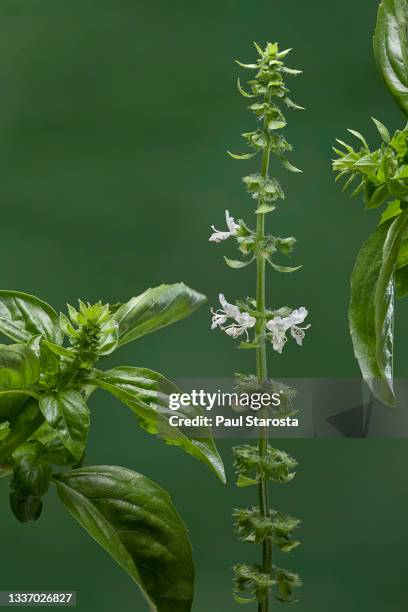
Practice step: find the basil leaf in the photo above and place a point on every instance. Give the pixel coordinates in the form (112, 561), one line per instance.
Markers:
(67, 413)
(383, 131)
(134, 520)
(25, 424)
(401, 282)
(391, 49)
(59, 350)
(236, 264)
(403, 253)
(154, 309)
(30, 481)
(379, 196)
(23, 316)
(284, 269)
(242, 155)
(19, 373)
(53, 449)
(393, 210)
(371, 312)
(147, 393)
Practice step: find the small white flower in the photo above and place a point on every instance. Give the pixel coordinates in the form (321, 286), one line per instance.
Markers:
(278, 335)
(242, 320)
(278, 326)
(218, 236)
(298, 333)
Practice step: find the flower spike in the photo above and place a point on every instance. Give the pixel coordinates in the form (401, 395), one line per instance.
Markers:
(262, 464)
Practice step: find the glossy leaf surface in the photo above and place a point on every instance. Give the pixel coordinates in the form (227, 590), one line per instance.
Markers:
(147, 394)
(19, 372)
(134, 520)
(371, 311)
(23, 316)
(154, 309)
(67, 413)
(391, 49)
(30, 481)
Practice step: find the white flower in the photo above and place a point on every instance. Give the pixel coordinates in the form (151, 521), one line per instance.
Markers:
(232, 228)
(278, 326)
(242, 320)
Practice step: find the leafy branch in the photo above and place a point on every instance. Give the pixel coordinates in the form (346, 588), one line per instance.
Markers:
(46, 379)
(381, 270)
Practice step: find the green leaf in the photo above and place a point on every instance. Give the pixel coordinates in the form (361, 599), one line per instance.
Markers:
(283, 53)
(147, 394)
(399, 142)
(284, 269)
(403, 253)
(291, 71)
(263, 209)
(360, 137)
(25, 423)
(19, 373)
(53, 449)
(384, 133)
(134, 520)
(59, 350)
(393, 210)
(276, 125)
(379, 196)
(286, 164)
(250, 66)
(391, 49)
(401, 282)
(67, 413)
(30, 481)
(242, 155)
(236, 264)
(401, 275)
(154, 309)
(243, 92)
(19, 368)
(245, 481)
(371, 312)
(23, 316)
(401, 173)
(290, 104)
(50, 362)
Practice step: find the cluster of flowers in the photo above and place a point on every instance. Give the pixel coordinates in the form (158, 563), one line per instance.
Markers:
(276, 326)
(235, 322)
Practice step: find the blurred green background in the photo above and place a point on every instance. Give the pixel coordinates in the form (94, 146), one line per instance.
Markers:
(114, 121)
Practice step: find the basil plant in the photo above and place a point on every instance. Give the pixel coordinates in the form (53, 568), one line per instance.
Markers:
(381, 175)
(47, 375)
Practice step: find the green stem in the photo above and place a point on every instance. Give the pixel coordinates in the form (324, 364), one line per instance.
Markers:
(262, 374)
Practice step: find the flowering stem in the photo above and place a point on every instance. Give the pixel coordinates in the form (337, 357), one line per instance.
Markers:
(257, 465)
(262, 374)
